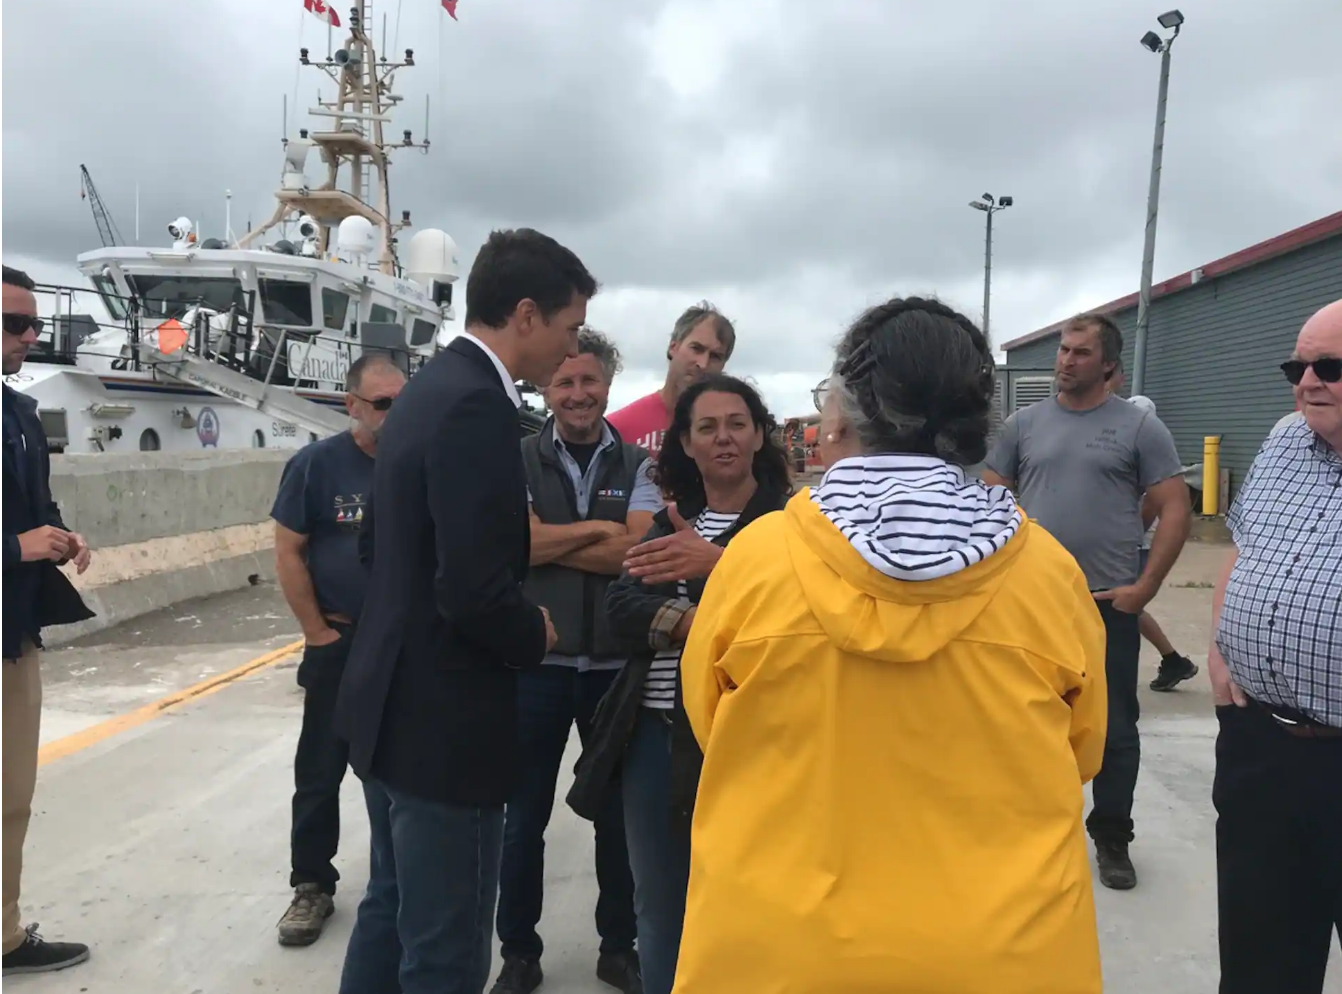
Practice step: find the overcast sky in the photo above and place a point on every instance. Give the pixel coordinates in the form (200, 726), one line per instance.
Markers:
(790, 160)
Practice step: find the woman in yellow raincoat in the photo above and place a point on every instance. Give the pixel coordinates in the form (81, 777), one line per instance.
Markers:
(898, 685)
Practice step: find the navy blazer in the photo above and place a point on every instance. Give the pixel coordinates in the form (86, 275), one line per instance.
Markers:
(428, 702)
(35, 594)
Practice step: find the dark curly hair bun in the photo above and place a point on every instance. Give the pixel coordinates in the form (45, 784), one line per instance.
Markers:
(920, 375)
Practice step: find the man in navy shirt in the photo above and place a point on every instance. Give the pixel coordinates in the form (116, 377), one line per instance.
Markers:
(317, 512)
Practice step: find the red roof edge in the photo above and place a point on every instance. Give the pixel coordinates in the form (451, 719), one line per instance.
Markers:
(1297, 238)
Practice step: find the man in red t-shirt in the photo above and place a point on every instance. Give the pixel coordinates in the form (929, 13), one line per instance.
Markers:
(702, 341)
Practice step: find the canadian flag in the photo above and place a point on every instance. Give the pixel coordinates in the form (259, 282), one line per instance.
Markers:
(323, 10)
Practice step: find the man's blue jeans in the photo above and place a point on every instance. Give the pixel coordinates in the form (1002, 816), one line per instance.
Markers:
(659, 849)
(551, 699)
(425, 922)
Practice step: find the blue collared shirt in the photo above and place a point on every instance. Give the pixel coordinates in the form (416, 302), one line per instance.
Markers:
(645, 497)
(1279, 630)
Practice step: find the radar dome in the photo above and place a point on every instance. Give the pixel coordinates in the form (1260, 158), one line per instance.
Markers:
(356, 236)
(431, 255)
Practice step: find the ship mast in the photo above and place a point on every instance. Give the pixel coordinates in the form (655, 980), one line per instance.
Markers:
(363, 104)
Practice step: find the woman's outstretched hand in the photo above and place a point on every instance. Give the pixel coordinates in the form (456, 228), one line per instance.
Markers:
(682, 555)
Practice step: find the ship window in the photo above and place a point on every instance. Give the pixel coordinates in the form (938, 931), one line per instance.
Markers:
(422, 332)
(173, 296)
(149, 441)
(286, 302)
(335, 305)
(378, 314)
(56, 427)
(116, 307)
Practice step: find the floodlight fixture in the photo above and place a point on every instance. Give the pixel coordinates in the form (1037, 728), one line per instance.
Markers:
(1006, 202)
(1152, 41)
(1171, 19)
(978, 206)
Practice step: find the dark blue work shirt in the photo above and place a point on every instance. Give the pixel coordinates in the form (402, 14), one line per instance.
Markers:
(322, 495)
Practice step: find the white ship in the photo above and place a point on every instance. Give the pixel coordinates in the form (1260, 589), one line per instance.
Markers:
(245, 344)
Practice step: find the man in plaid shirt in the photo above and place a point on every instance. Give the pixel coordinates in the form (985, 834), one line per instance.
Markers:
(1276, 668)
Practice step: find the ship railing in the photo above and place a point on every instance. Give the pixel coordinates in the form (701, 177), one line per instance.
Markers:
(232, 338)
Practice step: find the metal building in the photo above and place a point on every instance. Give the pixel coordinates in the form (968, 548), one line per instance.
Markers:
(1217, 336)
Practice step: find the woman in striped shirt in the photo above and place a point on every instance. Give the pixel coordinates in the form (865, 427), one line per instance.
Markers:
(721, 468)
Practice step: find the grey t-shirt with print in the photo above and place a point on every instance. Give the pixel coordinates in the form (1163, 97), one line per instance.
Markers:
(1081, 474)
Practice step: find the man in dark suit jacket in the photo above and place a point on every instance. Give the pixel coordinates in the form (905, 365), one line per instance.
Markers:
(36, 594)
(428, 702)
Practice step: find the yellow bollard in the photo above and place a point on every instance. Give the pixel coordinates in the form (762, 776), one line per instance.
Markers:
(1211, 475)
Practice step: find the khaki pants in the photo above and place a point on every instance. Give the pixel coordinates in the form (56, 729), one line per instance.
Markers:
(22, 719)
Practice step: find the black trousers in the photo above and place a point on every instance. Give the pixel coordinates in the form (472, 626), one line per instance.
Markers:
(1278, 853)
(1110, 818)
(319, 766)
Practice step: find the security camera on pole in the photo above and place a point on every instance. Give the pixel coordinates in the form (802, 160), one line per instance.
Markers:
(1155, 44)
(989, 207)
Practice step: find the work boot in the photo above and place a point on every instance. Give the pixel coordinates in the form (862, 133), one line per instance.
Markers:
(1174, 670)
(518, 976)
(36, 955)
(1116, 869)
(621, 970)
(302, 924)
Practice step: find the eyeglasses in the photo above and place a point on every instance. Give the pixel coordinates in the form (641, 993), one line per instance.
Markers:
(1328, 370)
(819, 395)
(376, 403)
(18, 324)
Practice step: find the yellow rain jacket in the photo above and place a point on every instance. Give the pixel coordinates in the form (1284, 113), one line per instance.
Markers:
(891, 797)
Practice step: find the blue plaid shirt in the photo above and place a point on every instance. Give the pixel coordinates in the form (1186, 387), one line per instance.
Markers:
(1281, 621)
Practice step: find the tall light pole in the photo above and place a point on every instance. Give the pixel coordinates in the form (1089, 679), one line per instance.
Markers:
(1155, 44)
(989, 207)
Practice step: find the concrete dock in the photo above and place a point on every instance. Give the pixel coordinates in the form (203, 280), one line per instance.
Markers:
(160, 833)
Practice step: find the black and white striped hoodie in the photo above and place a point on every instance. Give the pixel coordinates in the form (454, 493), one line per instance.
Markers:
(916, 517)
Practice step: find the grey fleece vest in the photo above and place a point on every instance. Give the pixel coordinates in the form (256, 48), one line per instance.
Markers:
(576, 599)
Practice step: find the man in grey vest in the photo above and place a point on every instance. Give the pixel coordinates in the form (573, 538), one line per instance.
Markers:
(592, 498)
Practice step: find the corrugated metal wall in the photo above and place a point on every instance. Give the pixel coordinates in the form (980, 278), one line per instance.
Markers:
(1213, 350)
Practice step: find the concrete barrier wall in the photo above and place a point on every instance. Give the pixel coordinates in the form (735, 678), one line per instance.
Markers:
(166, 527)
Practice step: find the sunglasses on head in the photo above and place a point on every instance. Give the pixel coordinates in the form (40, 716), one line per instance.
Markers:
(1328, 370)
(18, 324)
(377, 403)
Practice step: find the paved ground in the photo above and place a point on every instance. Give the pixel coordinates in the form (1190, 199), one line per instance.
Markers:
(165, 846)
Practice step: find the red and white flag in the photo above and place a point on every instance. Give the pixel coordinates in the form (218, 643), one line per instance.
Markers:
(451, 7)
(322, 9)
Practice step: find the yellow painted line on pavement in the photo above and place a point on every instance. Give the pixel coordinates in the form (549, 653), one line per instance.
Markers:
(71, 744)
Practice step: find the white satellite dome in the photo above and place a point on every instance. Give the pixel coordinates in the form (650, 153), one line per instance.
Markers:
(432, 255)
(356, 237)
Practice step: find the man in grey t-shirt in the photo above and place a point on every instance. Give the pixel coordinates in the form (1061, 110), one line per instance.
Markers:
(1079, 464)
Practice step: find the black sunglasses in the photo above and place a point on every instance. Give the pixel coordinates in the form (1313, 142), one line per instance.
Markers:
(378, 404)
(1328, 370)
(18, 324)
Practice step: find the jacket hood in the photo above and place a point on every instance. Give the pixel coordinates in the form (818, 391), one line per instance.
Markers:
(898, 555)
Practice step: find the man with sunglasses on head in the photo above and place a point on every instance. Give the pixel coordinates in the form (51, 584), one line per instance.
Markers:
(1275, 661)
(1080, 463)
(318, 512)
(36, 594)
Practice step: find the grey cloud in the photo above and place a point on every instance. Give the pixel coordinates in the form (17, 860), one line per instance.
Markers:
(838, 146)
